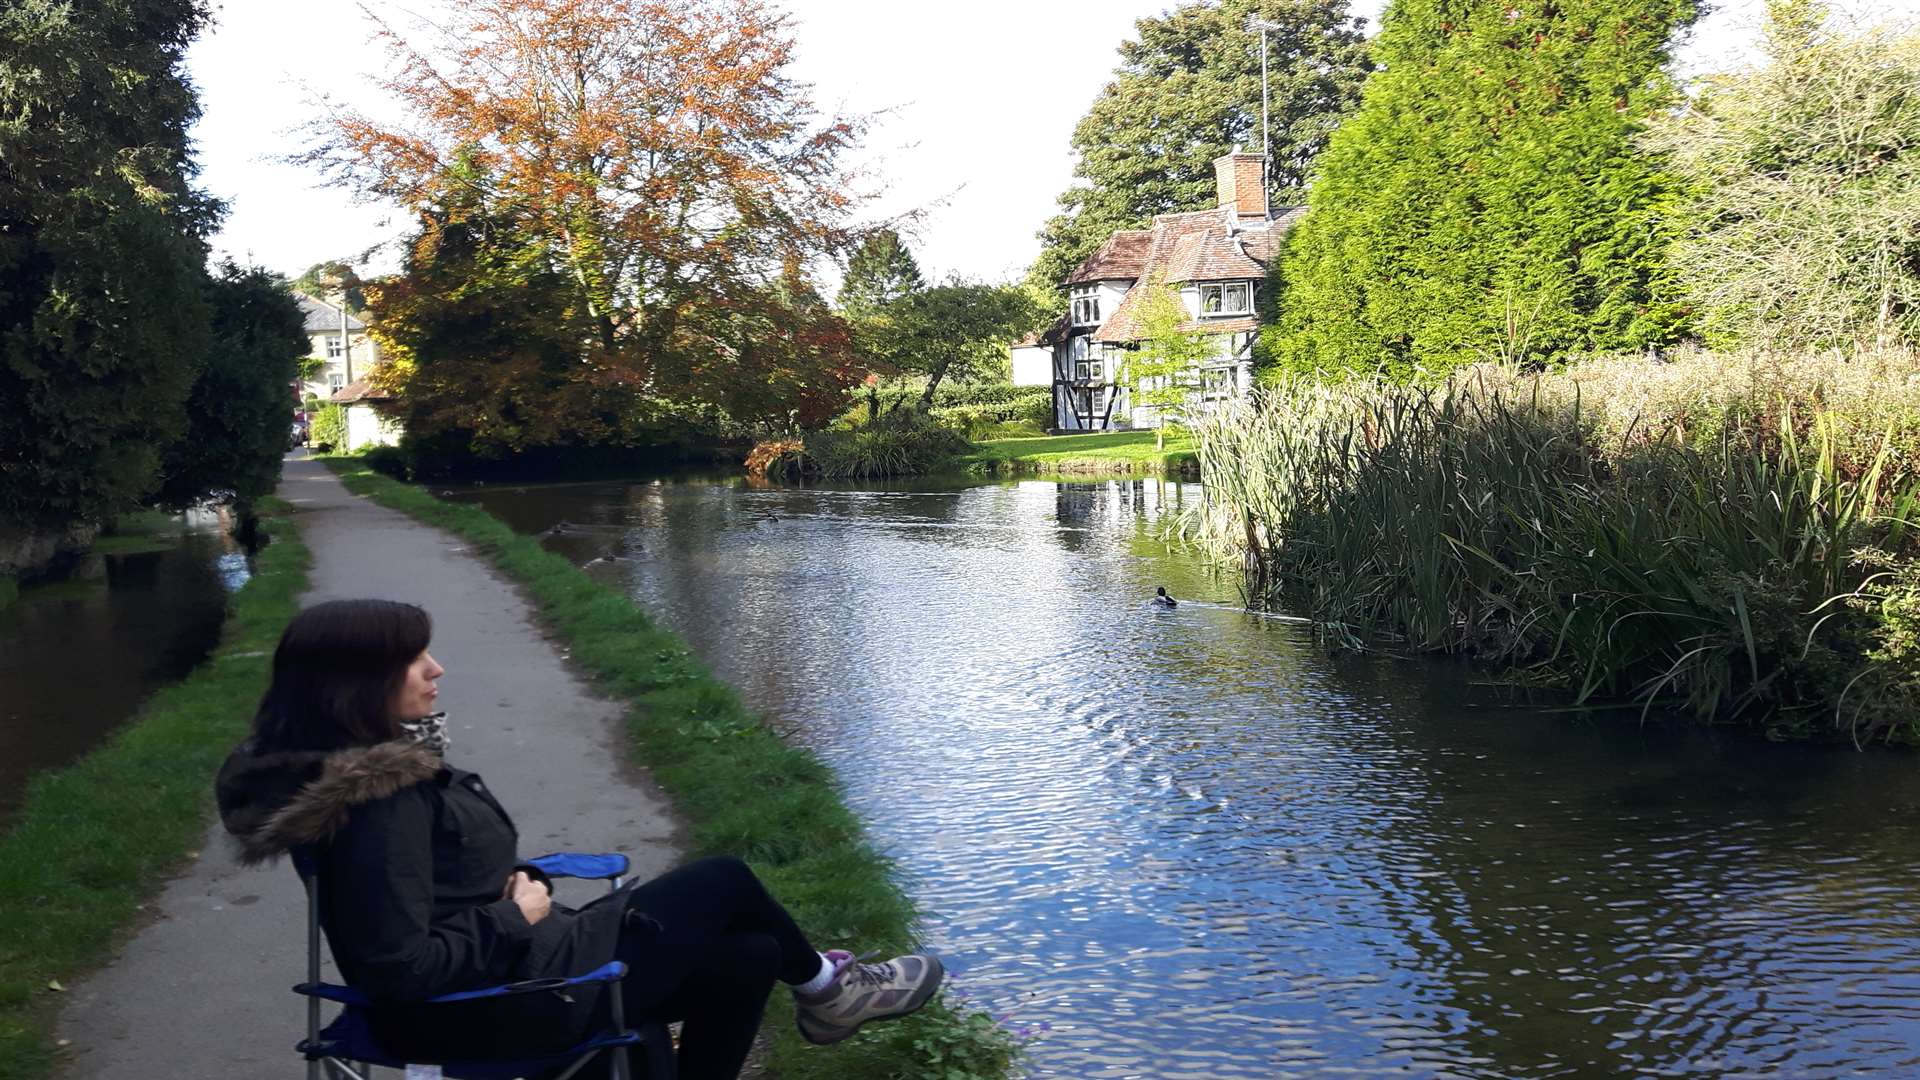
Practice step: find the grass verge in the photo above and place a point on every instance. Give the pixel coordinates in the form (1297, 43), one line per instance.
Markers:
(1104, 452)
(90, 840)
(743, 790)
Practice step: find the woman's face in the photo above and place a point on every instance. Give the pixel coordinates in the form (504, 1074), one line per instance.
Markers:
(415, 695)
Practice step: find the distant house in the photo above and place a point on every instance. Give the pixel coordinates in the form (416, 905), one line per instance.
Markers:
(340, 377)
(1216, 260)
(324, 343)
(368, 423)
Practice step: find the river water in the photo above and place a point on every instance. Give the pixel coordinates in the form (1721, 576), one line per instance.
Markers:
(1190, 844)
(78, 656)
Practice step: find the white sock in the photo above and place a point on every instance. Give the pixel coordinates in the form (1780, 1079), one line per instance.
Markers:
(818, 982)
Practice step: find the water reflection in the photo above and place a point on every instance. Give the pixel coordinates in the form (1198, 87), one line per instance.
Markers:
(1198, 847)
(78, 656)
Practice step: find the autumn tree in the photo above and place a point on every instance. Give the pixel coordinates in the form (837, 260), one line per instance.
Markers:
(482, 338)
(648, 169)
(1187, 91)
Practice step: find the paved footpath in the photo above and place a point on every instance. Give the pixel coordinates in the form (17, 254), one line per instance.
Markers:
(203, 990)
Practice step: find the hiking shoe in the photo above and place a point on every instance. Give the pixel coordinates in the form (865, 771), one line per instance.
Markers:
(862, 992)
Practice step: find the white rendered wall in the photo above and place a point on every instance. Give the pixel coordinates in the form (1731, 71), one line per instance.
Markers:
(1033, 365)
(365, 427)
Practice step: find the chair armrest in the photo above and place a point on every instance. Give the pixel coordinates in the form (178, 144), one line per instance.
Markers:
(610, 971)
(577, 865)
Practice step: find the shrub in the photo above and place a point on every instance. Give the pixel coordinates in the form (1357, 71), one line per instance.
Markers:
(388, 461)
(1033, 412)
(328, 431)
(900, 444)
(776, 458)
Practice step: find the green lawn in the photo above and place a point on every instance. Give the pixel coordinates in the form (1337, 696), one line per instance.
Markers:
(1107, 451)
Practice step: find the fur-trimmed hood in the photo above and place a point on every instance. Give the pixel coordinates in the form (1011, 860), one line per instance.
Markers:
(273, 801)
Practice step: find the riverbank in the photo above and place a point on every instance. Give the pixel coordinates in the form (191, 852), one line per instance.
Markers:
(1737, 536)
(93, 839)
(742, 789)
(1102, 453)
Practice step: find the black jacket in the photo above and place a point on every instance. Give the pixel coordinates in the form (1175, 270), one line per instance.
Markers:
(412, 857)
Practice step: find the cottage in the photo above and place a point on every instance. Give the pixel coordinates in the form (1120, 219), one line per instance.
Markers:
(343, 357)
(341, 376)
(368, 422)
(1216, 260)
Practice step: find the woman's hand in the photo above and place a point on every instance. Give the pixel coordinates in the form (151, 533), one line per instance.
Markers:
(532, 898)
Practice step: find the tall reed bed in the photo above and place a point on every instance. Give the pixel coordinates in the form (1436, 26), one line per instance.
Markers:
(1735, 535)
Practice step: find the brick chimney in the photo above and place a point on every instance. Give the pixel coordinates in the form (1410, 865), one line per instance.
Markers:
(1243, 184)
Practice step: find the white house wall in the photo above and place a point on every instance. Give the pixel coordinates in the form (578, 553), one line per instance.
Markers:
(1032, 365)
(365, 427)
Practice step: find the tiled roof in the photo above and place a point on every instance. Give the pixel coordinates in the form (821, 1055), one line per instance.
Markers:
(359, 390)
(1211, 256)
(1052, 335)
(1196, 247)
(1122, 256)
(322, 317)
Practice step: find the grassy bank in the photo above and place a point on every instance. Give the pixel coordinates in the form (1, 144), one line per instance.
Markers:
(91, 840)
(744, 790)
(1733, 535)
(1104, 452)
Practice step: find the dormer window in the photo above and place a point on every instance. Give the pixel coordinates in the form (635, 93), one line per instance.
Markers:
(1086, 305)
(1227, 298)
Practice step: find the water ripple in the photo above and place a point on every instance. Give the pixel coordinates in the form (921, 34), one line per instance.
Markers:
(1195, 846)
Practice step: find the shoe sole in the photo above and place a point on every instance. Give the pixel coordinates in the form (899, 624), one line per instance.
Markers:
(834, 1035)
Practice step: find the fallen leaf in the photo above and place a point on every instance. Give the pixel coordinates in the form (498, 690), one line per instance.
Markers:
(54, 985)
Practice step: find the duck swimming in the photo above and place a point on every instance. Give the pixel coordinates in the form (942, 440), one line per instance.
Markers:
(1161, 599)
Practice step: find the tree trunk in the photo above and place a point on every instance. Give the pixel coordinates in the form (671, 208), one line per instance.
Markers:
(933, 383)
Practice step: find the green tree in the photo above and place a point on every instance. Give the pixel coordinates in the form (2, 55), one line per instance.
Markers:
(1804, 226)
(1487, 199)
(1188, 91)
(481, 340)
(958, 329)
(323, 281)
(1161, 374)
(102, 320)
(880, 271)
(241, 406)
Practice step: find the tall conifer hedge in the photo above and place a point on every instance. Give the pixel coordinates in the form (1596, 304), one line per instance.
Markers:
(1487, 201)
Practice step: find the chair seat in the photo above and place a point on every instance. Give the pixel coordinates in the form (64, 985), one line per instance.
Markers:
(349, 1037)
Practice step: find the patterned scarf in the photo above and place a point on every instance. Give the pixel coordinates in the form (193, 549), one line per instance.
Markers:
(429, 731)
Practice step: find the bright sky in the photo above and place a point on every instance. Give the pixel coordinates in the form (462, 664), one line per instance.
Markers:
(979, 100)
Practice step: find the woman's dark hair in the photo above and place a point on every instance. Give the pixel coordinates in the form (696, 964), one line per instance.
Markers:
(337, 665)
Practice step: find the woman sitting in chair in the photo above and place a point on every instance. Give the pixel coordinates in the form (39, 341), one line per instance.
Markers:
(422, 892)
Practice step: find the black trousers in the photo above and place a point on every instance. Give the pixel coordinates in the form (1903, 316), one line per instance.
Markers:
(704, 944)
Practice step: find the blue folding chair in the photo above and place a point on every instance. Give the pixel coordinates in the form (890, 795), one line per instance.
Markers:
(345, 1048)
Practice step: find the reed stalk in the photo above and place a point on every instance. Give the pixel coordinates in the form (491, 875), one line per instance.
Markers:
(1634, 530)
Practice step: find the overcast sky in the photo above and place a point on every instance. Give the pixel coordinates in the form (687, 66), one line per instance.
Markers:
(979, 100)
